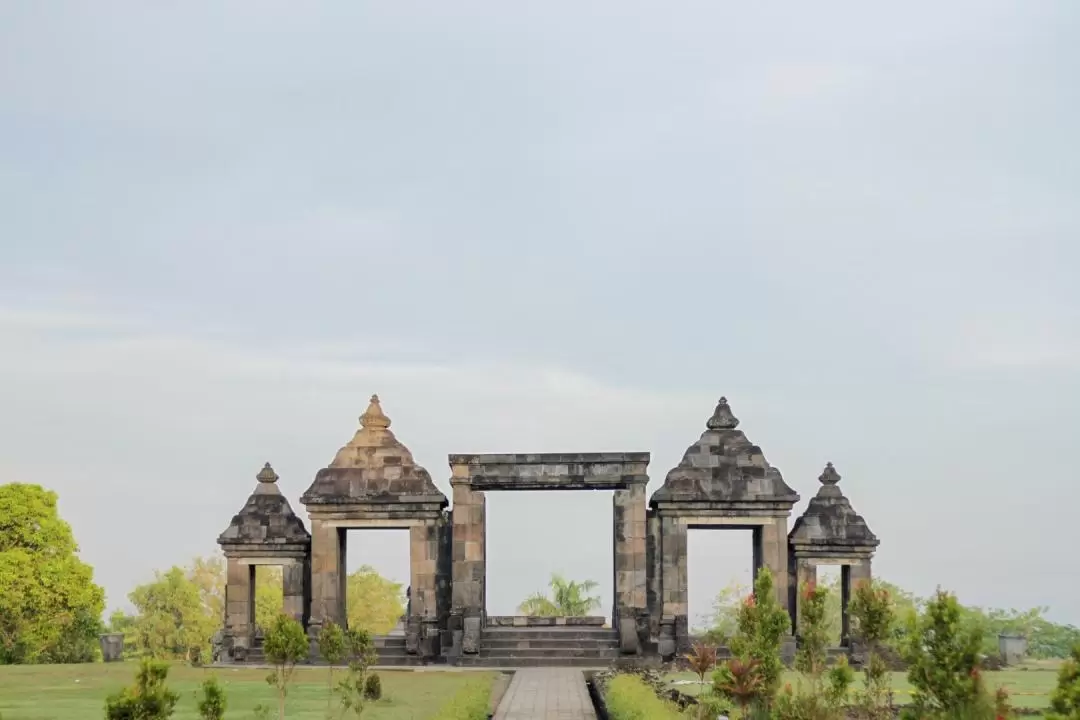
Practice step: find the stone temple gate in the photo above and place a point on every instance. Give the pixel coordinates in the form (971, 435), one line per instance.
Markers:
(723, 481)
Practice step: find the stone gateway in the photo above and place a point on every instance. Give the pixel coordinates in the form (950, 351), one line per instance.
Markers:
(723, 481)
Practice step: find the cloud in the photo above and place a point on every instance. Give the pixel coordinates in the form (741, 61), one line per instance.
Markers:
(1039, 344)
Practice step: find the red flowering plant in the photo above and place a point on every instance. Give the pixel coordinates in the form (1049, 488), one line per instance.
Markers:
(762, 624)
(822, 691)
(872, 613)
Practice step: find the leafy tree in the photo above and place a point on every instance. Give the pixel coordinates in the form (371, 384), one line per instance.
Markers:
(208, 574)
(1065, 700)
(284, 645)
(50, 607)
(332, 649)
(212, 704)
(375, 604)
(269, 597)
(722, 623)
(172, 620)
(762, 625)
(569, 599)
(821, 690)
(148, 699)
(943, 662)
(873, 617)
(354, 688)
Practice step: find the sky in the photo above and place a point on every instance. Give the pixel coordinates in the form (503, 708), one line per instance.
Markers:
(549, 227)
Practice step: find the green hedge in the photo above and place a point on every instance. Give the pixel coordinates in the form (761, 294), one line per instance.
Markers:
(472, 702)
(628, 698)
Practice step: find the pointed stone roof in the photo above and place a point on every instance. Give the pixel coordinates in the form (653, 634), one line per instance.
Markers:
(830, 523)
(724, 471)
(266, 519)
(373, 467)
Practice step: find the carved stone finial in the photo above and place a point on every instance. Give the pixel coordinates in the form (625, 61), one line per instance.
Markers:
(722, 419)
(829, 476)
(267, 474)
(374, 417)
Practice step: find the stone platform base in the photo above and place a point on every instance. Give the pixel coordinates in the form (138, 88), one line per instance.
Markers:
(530, 621)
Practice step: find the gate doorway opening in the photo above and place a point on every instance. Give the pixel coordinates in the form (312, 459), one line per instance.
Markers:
(720, 574)
(535, 535)
(376, 578)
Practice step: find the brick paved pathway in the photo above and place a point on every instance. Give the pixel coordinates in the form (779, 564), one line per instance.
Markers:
(546, 694)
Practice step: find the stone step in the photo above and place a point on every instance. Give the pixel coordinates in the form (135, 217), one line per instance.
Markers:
(511, 643)
(511, 662)
(597, 653)
(389, 642)
(548, 634)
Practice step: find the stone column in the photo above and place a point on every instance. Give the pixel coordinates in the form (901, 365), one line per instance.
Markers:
(851, 576)
(294, 579)
(774, 555)
(805, 572)
(630, 574)
(327, 598)
(239, 606)
(422, 630)
(674, 626)
(443, 578)
(468, 565)
(653, 571)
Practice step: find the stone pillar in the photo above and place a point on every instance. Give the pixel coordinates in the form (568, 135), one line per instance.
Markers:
(774, 555)
(674, 625)
(468, 571)
(630, 574)
(327, 577)
(851, 576)
(422, 630)
(294, 580)
(443, 575)
(654, 570)
(805, 573)
(239, 606)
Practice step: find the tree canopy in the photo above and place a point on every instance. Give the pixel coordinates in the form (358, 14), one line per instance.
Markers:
(1046, 639)
(50, 607)
(569, 598)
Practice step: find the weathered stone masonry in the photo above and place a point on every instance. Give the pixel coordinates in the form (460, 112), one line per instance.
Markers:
(722, 482)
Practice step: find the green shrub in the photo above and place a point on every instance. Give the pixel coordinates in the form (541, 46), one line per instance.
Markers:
(372, 687)
(628, 698)
(212, 704)
(471, 702)
(285, 644)
(148, 699)
(943, 665)
(751, 677)
(1065, 700)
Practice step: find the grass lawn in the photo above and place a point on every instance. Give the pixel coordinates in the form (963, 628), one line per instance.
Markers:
(77, 692)
(1029, 688)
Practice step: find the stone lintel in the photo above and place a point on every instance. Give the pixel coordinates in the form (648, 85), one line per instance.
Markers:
(381, 502)
(267, 560)
(403, 523)
(714, 509)
(550, 458)
(550, 471)
(266, 554)
(842, 553)
(724, 522)
(368, 511)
